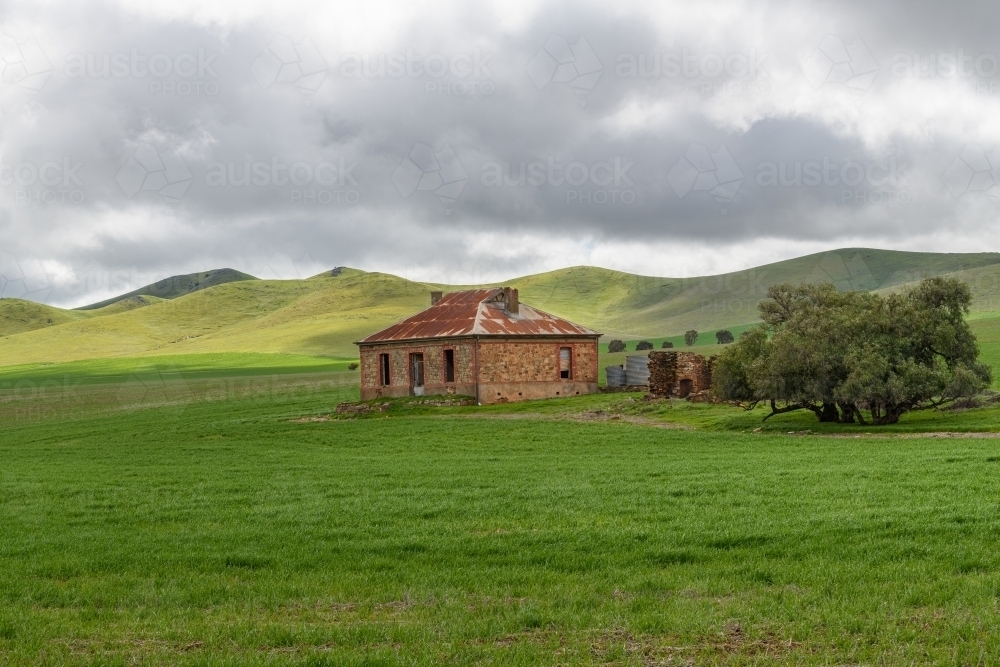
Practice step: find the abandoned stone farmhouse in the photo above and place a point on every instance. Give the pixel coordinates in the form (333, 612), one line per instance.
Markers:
(482, 343)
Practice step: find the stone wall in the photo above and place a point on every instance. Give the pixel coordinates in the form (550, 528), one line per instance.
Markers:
(679, 373)
(662, 373)
(399, 368)
(534, 361)
(520, 370)
(509, 369)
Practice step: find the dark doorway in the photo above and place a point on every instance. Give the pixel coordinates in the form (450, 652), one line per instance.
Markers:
(449, 365)
(685, 388)
(417, 374)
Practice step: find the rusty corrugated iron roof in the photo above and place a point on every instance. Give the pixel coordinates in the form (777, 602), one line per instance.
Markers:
(481, 312)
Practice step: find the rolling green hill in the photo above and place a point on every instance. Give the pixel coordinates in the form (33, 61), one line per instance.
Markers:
(175, 286)
(323, 315)
(983, 281)
(18, 315)
(126, 304)
(622, 303)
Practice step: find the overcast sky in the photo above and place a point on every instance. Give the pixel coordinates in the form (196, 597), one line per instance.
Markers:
(471, 142)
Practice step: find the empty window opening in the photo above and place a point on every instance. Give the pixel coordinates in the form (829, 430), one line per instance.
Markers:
(565, 363)
(383, 370)
(449, 365)
(417, 370)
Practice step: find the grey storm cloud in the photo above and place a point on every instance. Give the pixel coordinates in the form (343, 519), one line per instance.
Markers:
(138, 142)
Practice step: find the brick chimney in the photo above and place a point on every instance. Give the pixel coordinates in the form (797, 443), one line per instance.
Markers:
(513, 303)
(436, 296)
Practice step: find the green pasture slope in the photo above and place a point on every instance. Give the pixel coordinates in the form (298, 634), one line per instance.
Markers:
(186, 519)
(19, 315)
(228, 312)
(637, 306)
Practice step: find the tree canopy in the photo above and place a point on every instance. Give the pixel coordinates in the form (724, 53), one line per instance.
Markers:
(690, 337)
(841, 353)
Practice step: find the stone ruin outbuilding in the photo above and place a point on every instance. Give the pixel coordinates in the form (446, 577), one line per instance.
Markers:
(679, 374)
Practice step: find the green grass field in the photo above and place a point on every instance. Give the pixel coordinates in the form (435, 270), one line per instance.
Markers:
(191, 366)
(176, 487)
(183, 513)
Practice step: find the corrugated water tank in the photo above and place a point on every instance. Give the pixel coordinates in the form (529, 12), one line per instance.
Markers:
(616, 376)
(636, 370)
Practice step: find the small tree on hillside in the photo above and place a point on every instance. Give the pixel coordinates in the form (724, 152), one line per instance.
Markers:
(643, 345)
(724, 336)
(690, 337)
(667, 344)
(616, 346)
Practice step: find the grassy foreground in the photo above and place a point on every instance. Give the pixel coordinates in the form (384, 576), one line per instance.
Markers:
(171, 515)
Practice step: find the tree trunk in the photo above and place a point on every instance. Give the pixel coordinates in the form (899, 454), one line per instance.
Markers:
(828, 413)
(892, 415)
(847, 411)
(822, 411)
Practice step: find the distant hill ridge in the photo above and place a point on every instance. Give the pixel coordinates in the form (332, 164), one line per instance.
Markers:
(326, 313)
(175, 286)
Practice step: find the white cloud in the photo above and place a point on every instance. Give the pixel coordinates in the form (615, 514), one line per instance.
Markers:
(313, 175)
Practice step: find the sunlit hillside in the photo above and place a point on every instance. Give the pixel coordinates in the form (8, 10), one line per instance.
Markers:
(325, 314)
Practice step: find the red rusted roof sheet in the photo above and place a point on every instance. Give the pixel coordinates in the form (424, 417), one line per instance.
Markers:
(480, 312)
